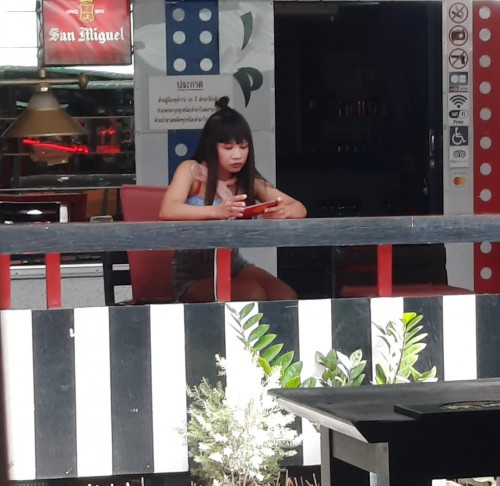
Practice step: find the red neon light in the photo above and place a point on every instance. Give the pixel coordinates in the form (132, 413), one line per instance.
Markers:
(73, 149)
(106, 131)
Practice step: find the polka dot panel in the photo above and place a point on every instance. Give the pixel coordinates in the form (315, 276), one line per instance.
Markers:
(486, 75)
(181, 146)
(486, 268)
(192, 37)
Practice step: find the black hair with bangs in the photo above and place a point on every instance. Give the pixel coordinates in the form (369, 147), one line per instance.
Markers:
(226, 125)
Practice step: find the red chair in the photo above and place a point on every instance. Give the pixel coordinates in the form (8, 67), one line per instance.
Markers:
(150, 270)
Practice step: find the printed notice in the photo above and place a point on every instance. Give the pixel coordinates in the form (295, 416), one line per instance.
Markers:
(185, 102)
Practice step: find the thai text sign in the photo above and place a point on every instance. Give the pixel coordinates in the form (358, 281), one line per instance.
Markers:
(185, 102)
(86, 32)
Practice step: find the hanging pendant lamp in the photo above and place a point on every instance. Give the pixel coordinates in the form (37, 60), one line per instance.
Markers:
(44, 117)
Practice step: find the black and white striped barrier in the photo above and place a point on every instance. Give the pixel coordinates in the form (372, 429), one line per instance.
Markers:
(102, 391)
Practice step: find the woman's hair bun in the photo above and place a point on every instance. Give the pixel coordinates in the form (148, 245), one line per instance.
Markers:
(222, 102)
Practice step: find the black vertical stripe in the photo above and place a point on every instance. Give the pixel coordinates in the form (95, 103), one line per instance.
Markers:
(54, 389)
(131, 398)
(488, 335)
(283, 320)
(205, 337)
(351, 329)
(431, 308)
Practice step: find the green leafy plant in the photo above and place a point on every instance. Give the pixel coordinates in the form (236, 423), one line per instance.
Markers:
(340, 369)
(257, 339)
(403, 344)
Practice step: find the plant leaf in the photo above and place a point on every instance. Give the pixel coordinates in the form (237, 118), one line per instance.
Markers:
(270, 353)
(265, 365)
(358, 380)
(252, 320)
(356, 356)
(264, 341)
(320, 358)
(357, 370)
(416, 339)
(295, 368)
(414, 349)
(258, 332)
(293, 383)
(308, 383)
(284, 360)
(245, 311)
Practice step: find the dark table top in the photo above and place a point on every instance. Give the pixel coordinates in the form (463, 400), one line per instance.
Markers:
(367, 412)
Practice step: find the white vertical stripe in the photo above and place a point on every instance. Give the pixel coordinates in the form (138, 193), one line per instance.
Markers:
(93, 392)
(315, 334)
(17, 351)
(383, 310)
(168, 382)
(459, 337)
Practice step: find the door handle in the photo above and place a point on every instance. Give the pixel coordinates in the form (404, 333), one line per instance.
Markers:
(432, 143)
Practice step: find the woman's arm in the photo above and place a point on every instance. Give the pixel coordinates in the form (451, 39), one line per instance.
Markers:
(175, 208)
(288, 207)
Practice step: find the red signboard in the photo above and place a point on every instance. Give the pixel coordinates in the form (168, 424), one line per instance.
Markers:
(86, 32)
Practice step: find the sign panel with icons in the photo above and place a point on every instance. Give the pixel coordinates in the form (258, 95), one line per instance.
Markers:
(457, 111)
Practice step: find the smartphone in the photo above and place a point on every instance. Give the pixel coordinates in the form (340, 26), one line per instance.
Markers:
(255, 209)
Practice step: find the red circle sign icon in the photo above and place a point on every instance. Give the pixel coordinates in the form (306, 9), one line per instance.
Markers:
(458, 58)
(458, 13)
(458, 35)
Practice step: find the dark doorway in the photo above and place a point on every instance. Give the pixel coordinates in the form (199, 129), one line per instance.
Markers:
(358, 111)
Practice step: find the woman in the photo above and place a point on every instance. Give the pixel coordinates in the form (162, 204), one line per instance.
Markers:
(217, 183)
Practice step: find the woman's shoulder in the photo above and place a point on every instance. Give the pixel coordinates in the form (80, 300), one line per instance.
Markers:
(187, 164)
(194, 167)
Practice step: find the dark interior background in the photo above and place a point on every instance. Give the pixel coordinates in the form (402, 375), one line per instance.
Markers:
(358, 90)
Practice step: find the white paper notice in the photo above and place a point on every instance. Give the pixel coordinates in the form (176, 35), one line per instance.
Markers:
(185, 102)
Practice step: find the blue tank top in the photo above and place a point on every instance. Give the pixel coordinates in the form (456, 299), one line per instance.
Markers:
(200, 201)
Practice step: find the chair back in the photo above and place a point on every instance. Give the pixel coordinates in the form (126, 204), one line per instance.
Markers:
(150, 271)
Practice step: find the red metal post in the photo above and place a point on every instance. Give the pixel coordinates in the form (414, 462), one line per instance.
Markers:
(5, 286)
(223, 274)
(384, 270)
(53, 283)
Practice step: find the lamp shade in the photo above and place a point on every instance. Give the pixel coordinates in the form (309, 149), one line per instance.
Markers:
(43, 117)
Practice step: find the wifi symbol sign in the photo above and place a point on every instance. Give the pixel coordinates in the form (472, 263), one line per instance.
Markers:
(458, 100)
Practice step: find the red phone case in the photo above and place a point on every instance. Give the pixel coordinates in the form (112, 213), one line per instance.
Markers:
(256, 209)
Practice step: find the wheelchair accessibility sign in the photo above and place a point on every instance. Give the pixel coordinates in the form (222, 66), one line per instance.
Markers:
(459, 147)
(459, 136)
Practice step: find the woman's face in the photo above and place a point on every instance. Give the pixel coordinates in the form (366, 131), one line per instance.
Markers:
(232, 156)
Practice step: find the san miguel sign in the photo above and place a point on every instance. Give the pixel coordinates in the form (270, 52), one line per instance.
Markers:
(86, 32)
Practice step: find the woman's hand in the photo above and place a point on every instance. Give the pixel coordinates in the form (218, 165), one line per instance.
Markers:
(232, 207)
(288, 207)
(276, 212)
